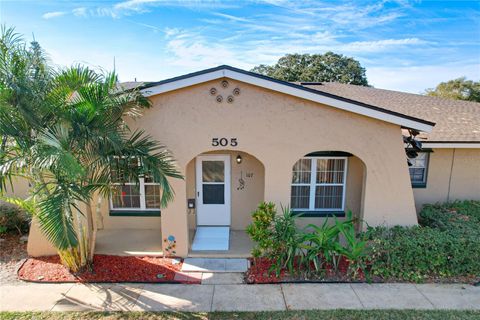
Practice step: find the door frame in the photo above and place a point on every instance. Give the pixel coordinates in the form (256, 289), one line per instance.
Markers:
(227, 182)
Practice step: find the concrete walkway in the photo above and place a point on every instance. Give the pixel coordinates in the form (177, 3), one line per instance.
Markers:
(235, 297)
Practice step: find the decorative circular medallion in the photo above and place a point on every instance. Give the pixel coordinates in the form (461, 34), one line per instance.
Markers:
(218, 93)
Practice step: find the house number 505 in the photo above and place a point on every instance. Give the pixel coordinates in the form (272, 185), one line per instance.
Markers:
(223, 142)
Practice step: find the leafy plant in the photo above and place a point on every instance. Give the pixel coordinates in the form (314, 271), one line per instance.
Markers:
(65, 131)
(353, 247)
(319, 245)
(261, 230)
(13, 219)
(417, 253)
(275, 235)
(286, 242)
(458, 215)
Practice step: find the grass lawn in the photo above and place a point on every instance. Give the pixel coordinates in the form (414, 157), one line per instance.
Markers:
(299, 315)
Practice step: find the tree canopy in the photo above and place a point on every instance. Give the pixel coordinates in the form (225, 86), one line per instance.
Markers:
(328, 67)
(459, 89)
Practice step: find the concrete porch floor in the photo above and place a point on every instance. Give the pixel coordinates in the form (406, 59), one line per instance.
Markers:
(148, 242)
(240, 247)
(129, 242)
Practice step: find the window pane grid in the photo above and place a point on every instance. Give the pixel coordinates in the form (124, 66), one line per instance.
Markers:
(300, 197)
(126, 196)
(302, 171)
(418, 168)
(152, 196)
(330, 197)
(318, 184)
(138, 196)
(330, 170)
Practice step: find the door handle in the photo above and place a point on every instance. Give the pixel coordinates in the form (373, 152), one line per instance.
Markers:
(198, 194)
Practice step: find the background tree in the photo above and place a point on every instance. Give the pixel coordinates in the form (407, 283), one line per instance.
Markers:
(328, 67)
(65, 132)
(459, 89)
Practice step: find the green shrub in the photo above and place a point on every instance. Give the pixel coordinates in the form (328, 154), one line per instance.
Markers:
(310, 250)
(418, 253)
(464, 215)
(275, 235)
(260, 230)
(328, 243)
(319, 245)
(13, 219)
(286, 242)
(353, 247)
(446, 244)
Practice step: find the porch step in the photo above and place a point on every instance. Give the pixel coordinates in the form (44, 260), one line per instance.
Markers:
(211, 239)
(222, 278)
(214, 265)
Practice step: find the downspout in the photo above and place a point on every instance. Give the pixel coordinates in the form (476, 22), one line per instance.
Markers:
(450, 178)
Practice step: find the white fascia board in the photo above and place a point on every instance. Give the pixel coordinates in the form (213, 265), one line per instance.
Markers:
(447, 145)
(279, 87)
(182, 83)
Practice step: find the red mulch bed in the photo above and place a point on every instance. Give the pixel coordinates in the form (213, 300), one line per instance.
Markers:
(260, 272)
(106, 268)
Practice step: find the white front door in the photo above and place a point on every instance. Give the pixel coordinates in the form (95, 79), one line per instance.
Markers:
(213, 190)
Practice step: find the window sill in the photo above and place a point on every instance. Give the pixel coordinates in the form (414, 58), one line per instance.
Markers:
(135, 213)
(315, 214)
(419, 185)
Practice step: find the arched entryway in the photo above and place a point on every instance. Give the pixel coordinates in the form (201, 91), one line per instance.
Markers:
(326, 184)
(223, 188)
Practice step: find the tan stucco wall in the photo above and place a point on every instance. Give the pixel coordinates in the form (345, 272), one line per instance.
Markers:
(453, 174)
(37, 244)
(119, 222)
(276, 129)
(18, 188)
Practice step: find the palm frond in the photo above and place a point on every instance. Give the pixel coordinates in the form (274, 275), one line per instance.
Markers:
(56, 221)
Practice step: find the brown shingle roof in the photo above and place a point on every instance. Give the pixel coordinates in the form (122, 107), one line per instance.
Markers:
(130, 85)
(456, 120)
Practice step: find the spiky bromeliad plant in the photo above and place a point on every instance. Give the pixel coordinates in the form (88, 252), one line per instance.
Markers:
(65, 131)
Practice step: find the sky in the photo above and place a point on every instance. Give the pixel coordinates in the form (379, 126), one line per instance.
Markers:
(404, 45)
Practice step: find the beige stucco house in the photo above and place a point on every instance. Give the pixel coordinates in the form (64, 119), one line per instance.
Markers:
(240, 138)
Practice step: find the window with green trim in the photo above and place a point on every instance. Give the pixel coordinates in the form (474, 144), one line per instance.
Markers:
(129, 194)
(318, 184)
(418, 169)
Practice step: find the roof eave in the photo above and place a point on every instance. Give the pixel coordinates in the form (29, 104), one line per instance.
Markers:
(191, 79)
(451, 144)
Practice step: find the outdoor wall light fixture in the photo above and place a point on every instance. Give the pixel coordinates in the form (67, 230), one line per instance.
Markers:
(239, 159)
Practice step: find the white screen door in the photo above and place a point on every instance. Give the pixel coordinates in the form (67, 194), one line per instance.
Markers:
(213, 190)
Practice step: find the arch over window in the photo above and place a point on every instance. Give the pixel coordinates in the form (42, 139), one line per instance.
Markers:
(319, 183)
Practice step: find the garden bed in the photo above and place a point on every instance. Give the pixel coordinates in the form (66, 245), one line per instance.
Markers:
(260, 272)
(106, 268)
(12, 253)
(443, 248)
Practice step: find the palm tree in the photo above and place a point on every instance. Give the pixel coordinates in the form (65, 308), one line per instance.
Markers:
(77, 144)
